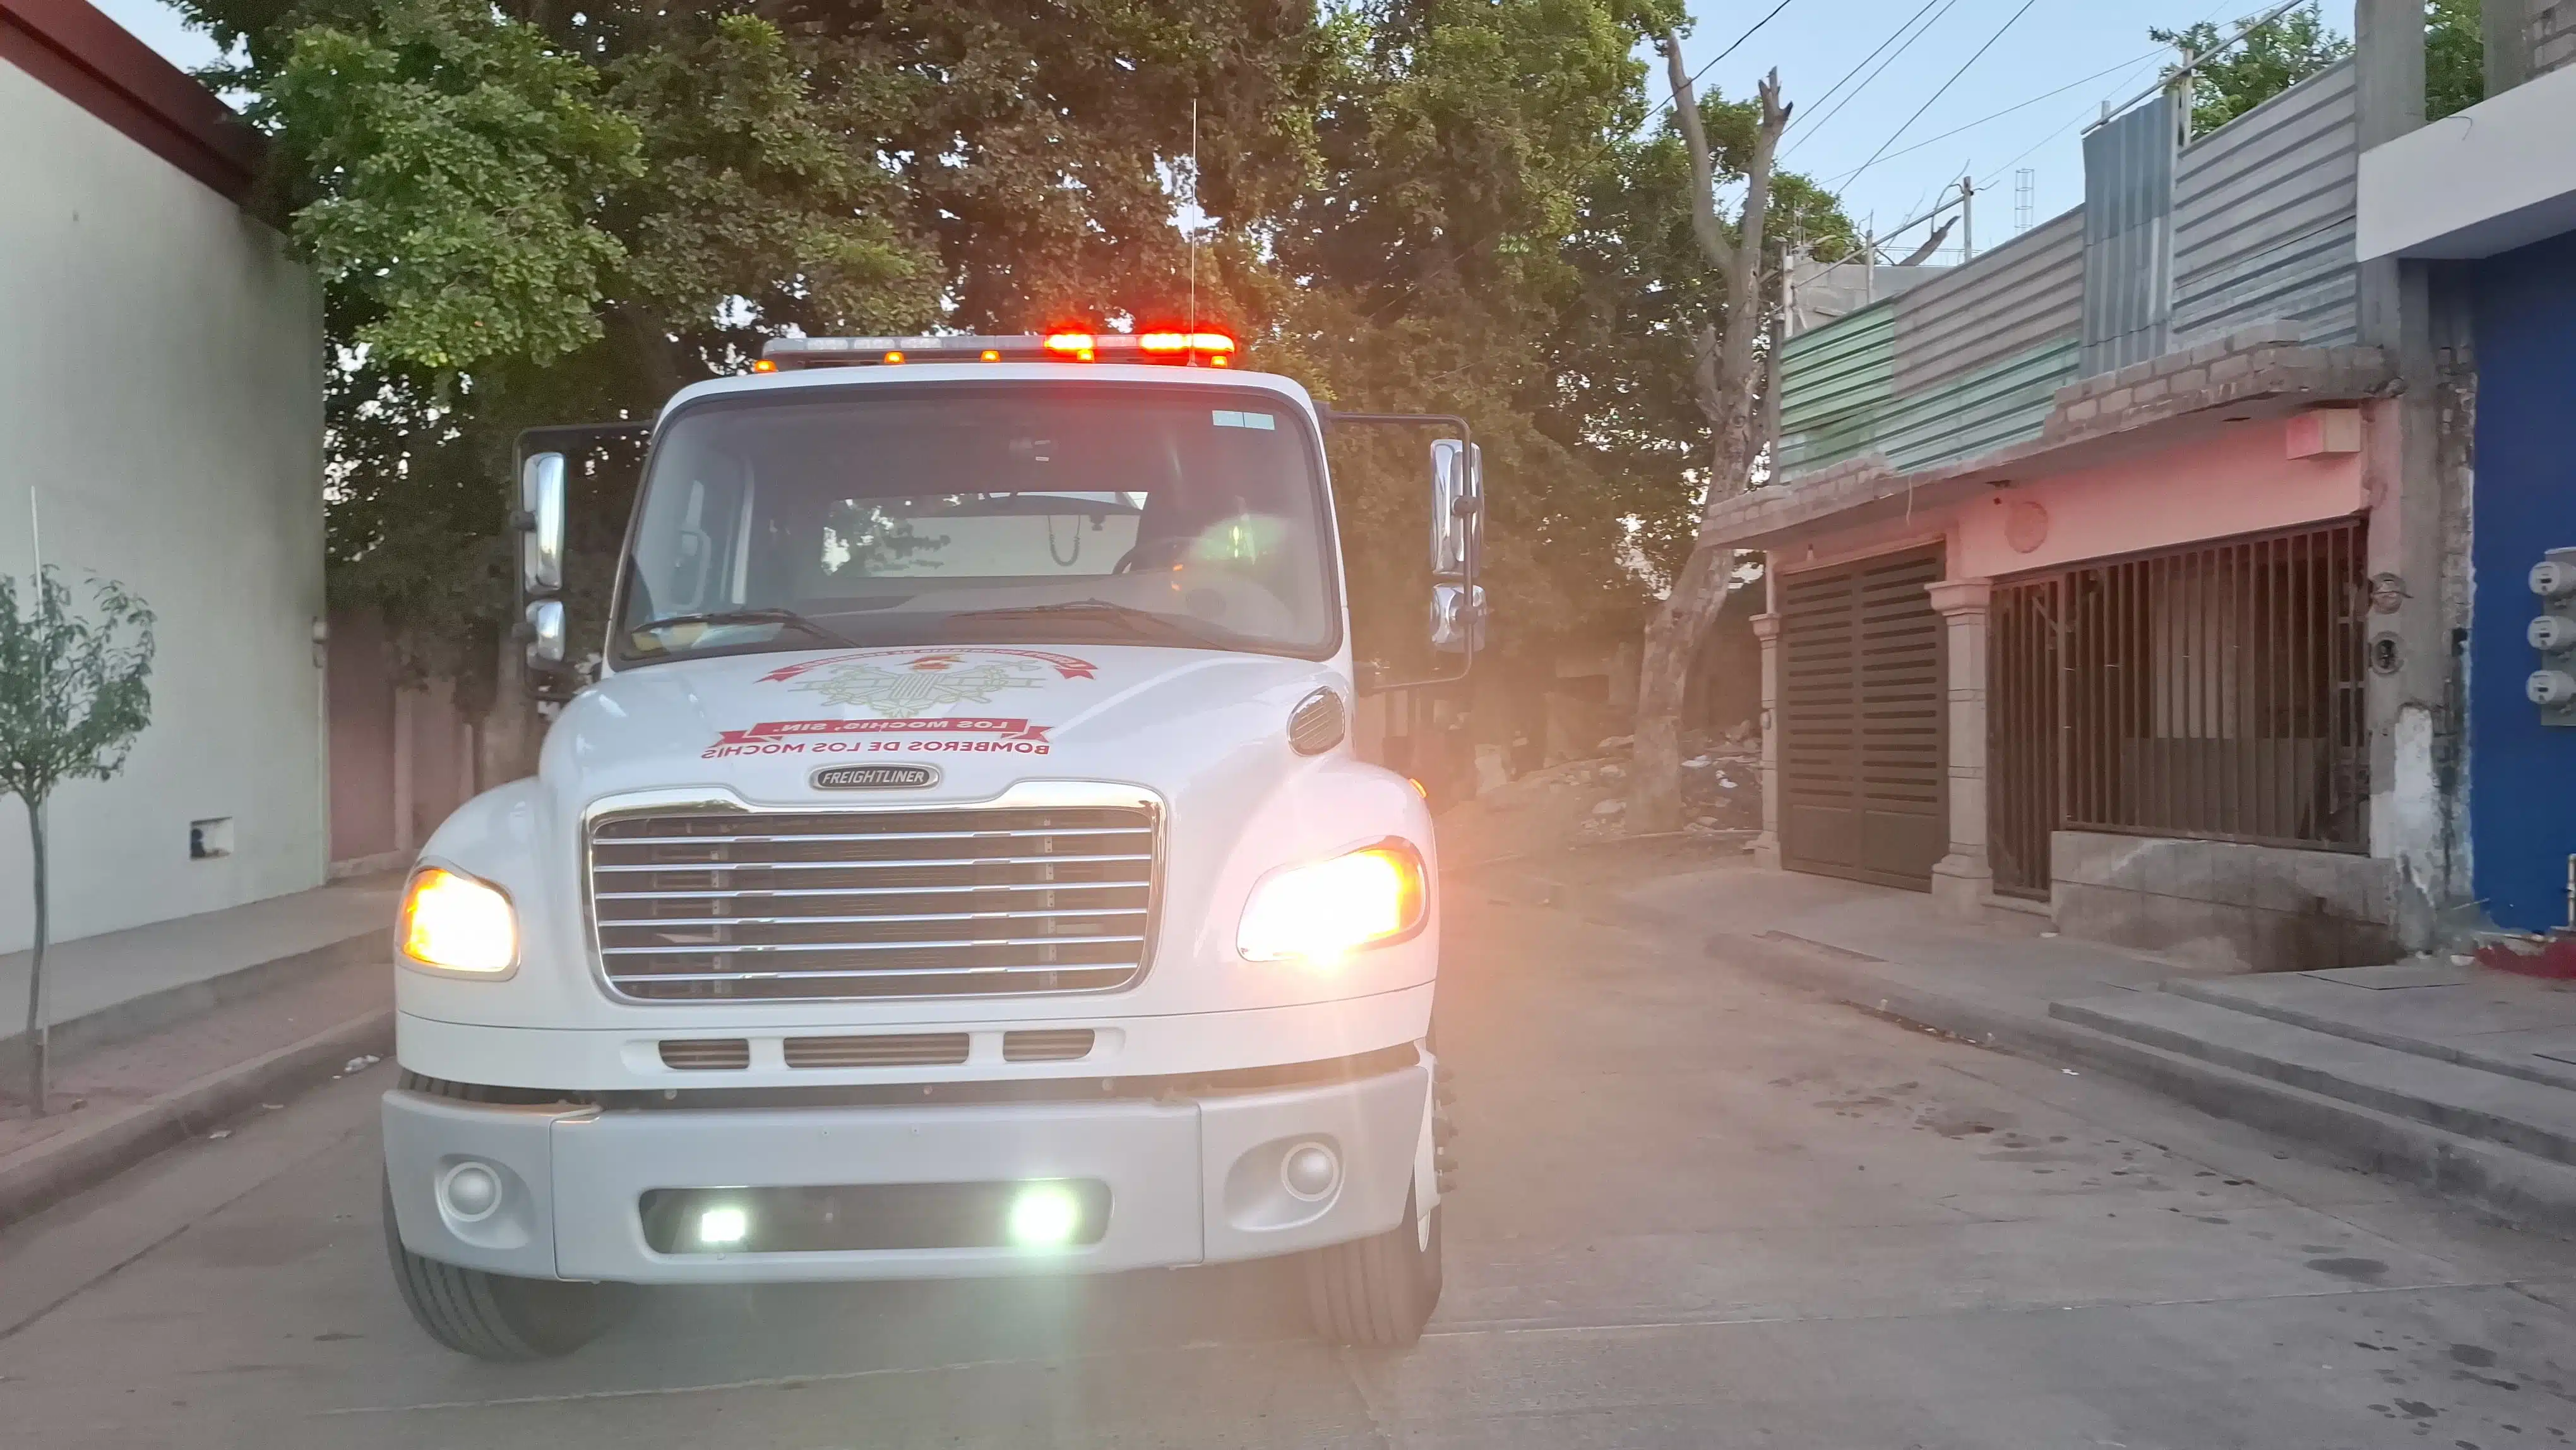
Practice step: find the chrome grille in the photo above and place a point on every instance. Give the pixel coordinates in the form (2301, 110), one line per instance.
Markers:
(715, 904)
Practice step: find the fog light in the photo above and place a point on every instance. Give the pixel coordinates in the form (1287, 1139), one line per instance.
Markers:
(1045, 1216)
(1310, 1171)
(719, 1227)
(470, 1191)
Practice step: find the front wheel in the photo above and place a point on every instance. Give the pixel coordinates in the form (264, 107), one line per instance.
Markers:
(1377, 1292)
(492, 1316)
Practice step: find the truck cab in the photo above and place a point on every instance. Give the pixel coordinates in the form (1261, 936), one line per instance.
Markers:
(959, 865)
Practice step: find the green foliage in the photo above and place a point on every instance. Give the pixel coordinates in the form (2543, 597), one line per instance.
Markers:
(2279, 55)
(453, 165)
(1497, 232)
(529, 213)
(2269, 60)
(1456, 152)
(74, 689)
(2455, 57)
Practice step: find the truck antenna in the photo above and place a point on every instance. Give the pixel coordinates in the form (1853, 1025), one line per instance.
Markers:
(1194, 206)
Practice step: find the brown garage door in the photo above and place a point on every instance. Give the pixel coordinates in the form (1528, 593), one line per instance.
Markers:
(1861, 721)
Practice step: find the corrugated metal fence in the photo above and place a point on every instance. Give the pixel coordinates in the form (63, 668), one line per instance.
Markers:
(2252, 223)
(2024, 295)
(2264, 218)
(1961, 364)
(2128, 235)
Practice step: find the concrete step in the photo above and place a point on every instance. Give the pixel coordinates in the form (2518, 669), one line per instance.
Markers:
(2343, 1011)
(2522, 1189)
(2529, 1117)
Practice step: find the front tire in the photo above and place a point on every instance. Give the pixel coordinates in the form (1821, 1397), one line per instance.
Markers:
(492, 1316)
(1377, 1292)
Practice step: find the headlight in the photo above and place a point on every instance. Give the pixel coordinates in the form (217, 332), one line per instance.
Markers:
(458, 924)
(1322, 913)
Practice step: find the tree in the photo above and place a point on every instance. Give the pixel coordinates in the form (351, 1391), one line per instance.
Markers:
(73, 696)
(2455, 58)
(2270, 59)
(1439, 261)
(1727, 358)
(531, 213)
(528, 213)
(2281, 53)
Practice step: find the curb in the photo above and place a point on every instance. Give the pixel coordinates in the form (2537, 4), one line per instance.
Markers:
(42, 1174)
(2514, 1187)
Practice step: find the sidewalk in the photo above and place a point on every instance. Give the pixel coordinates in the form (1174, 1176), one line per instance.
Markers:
(2447, 1075)
(165, 1030)
(106, 988)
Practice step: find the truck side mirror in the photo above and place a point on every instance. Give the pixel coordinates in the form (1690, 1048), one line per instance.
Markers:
(1457, 618)
(1457, 508)
(545, 636)
(1457, 546)
(541, 521)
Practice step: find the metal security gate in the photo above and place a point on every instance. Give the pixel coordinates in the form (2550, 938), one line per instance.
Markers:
(2213, 692)
(1860, 721)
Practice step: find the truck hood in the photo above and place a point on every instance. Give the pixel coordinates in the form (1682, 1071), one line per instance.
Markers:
(981, 717)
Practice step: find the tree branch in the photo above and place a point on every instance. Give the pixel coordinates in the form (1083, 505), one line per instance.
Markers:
(1705, 226)
(1743, 273)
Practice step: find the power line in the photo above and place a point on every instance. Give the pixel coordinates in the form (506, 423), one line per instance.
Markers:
(1945, 85)
(1855, 91)
(2087, 115)
(1864, 61)
(2006, 111)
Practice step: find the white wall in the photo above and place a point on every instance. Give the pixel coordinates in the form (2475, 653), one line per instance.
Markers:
(161, 401)
(2499, 175)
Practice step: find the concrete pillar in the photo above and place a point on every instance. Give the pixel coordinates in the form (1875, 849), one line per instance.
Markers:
(2507, 32)
(2407, 696)
(1766, 847)
(1962, 880)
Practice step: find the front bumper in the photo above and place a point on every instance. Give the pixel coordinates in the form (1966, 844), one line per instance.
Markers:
(1190, 1180)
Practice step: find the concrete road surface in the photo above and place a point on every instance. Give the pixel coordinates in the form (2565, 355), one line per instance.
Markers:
(1696, 1211)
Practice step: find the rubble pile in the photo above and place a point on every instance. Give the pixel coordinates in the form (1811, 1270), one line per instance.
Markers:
(1588, 799)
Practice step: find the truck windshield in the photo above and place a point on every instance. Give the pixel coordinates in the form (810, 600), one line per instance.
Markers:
(898, 514)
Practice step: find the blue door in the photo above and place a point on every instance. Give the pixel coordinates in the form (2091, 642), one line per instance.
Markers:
(2522, 776)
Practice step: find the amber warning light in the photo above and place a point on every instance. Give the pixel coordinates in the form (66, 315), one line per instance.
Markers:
(1170, 347)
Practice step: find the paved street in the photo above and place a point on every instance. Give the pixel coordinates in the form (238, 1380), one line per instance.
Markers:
(1697, 1210)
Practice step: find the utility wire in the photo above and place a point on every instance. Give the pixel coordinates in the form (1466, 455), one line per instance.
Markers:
(2006, 111)
(1854, 93)
(1946, 85)
(2044, 140)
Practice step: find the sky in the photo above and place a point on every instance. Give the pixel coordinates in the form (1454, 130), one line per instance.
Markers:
(2087, 51)
(2048, 64)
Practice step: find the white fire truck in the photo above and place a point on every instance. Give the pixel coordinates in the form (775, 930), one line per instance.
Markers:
(959, 865)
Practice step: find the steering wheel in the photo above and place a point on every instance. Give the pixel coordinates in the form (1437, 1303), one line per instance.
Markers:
(1153, 553)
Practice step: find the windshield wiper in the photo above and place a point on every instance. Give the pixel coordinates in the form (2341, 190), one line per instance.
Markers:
(788, 617)
(1140, 621)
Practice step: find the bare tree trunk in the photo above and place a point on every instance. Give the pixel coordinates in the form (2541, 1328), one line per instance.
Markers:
(1663, 682)
(1673, 637)
(1727, 368)
(37, 1028)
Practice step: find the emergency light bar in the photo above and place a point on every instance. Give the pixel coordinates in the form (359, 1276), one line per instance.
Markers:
(1191, 349)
